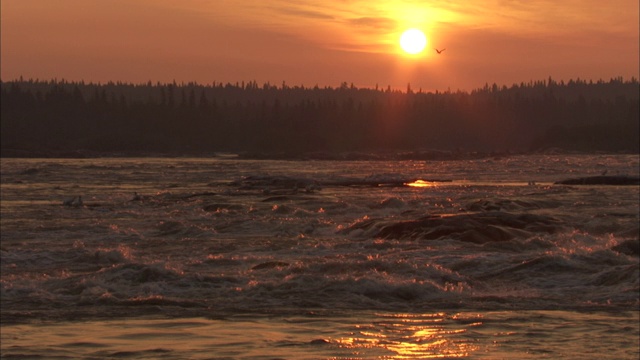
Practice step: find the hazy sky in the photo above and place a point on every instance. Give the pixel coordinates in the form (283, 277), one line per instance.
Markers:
(319, 42)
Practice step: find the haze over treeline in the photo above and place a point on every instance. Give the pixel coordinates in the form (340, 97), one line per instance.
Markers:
(58, 117)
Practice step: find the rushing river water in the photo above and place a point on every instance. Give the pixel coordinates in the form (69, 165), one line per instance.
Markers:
(224, 258)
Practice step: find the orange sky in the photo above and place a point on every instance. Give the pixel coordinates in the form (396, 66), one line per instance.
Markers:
(321, 43)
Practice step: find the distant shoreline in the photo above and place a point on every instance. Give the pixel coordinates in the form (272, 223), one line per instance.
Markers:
(426, 155)
(75, 120)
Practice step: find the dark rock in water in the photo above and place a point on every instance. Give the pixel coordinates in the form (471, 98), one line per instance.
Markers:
(270, 265)
(476, 228)
(319, 342)
(629, 247)
(30, 171)
(276, 198)
(219, 207)
(504, 205)
(170, 227)
(601, 180)
(274, 183)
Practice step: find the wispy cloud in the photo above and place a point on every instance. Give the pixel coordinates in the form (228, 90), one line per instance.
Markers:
(373, 22)
(305, 13)
(547, 16)
(375, 25)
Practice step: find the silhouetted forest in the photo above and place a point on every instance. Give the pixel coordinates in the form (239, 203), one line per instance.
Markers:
(47, 118)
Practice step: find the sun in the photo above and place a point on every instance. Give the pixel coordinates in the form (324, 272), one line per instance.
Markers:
(413, 41)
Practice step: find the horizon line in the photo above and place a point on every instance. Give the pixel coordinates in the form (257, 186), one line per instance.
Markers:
(343, 85)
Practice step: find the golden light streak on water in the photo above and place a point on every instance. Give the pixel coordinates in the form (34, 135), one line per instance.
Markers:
(413, 336)
(422, 184)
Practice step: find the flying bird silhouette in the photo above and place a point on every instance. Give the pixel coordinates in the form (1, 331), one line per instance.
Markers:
(440, 51)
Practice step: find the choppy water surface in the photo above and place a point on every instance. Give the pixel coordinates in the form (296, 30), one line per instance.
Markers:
(229, 258)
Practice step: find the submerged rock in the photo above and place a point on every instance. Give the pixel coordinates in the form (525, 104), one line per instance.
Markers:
(628, 247)
(476, 228)
(270, 265)
(601, 180)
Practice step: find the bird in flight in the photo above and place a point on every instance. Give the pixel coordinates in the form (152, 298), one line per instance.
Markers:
(440, 51)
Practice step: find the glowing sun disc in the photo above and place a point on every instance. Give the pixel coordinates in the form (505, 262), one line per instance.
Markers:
(413, 41)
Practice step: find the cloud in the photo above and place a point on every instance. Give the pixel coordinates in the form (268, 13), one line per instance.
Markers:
(373, 22)
(551, 17)
(304, 13)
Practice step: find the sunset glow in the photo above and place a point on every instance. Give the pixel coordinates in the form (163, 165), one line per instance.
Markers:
(318, 43)
(371, 179)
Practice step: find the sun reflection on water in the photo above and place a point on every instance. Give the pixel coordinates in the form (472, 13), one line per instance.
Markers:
(422, 184)
(415, 336)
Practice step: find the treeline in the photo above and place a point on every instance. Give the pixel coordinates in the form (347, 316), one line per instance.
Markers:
(121, 118)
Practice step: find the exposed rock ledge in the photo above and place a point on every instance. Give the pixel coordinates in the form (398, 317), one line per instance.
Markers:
(602, 180)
